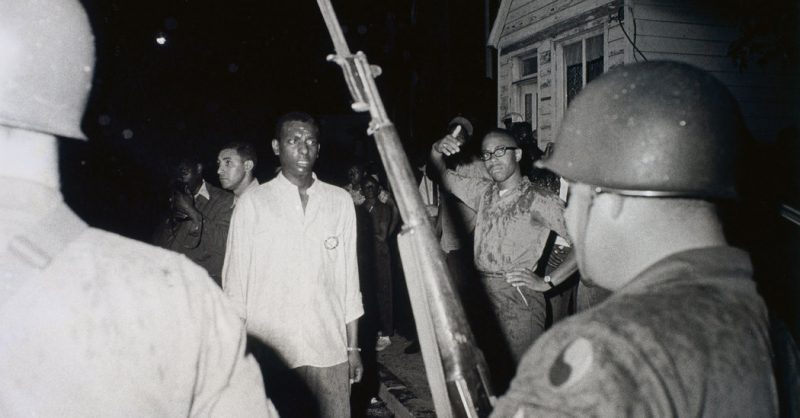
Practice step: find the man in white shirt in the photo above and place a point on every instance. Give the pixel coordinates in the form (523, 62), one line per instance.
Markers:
(291, 270)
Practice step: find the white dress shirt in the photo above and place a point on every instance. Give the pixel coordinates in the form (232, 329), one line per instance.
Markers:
(293, 273)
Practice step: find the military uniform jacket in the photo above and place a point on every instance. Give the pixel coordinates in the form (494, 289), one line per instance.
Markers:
(688, 337)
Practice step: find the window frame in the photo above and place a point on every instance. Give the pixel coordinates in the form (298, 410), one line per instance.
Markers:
(559, 67)
(519, 83)
(521, 60)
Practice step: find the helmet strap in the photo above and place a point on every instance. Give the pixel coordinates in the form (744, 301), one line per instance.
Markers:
(583, 227)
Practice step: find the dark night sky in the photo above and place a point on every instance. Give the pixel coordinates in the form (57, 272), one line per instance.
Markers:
(229, 69)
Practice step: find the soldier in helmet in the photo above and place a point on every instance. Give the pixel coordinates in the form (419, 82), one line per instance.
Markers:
(647, 149)
(94, 324)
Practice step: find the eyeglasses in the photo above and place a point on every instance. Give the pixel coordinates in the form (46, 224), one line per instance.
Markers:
(498, 152)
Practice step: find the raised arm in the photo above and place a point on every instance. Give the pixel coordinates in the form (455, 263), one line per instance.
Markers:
(466, 189)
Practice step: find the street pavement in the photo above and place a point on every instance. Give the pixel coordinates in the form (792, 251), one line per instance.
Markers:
(403, 382)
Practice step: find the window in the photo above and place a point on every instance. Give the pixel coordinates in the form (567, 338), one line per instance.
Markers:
(525, 99)
(530, 66)
(583, 62)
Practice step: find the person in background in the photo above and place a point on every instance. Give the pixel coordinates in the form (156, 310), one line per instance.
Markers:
(94, 324)
(299, 293)
(235, 165)
(541, 178)
(356, 174)
(684, 332)
(198, 219)
(383, 224)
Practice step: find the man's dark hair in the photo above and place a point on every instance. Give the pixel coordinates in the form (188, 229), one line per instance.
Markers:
(294, 117)
(245, 150)
(369, 179)
(190, 159)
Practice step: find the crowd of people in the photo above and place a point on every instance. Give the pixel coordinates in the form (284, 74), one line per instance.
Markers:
(283, 286)
(482, 201)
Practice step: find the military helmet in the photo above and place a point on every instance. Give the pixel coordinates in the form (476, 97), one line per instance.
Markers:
(651, 129)
(46, 65)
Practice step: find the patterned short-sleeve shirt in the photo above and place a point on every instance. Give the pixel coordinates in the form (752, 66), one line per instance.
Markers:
(511, 229)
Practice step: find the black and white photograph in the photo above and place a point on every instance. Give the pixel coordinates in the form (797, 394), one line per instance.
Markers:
(353, 208)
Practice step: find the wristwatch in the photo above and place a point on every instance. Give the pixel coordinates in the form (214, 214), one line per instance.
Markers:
(549, 281)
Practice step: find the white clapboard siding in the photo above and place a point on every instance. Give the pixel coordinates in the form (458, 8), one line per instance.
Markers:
(617, 43)
(676, 11)
(685, 30)
(680, 30)
(522, 8)
(615, 33)
(538, 15)
(649, 43)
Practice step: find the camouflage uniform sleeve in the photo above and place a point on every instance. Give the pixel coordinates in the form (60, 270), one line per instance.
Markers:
(584, 371)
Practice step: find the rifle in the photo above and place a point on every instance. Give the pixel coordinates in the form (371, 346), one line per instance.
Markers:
(455, 367)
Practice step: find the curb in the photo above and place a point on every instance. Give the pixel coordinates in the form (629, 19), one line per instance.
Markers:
(399, 399)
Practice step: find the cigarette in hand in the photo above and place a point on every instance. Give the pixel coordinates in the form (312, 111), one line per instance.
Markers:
(523, 296)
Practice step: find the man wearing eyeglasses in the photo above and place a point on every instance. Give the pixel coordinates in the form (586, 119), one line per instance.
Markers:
(512, 225)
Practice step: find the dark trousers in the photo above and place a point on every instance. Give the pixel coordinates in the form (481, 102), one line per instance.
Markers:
(383, 291)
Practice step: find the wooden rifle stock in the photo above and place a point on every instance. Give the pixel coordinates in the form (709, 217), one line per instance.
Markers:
(455, 367)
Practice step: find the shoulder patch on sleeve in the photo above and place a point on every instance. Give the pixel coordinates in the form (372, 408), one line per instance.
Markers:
(572, 364)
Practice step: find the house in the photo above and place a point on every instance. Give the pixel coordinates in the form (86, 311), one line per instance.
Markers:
(549, 49)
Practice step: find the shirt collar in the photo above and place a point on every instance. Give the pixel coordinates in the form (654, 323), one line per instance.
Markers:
(203, 191)
(43, 240)
(283, 182)
(253, 184)
(522, 185)
(709, 263)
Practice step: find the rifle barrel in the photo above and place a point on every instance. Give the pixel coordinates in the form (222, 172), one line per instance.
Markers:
(463, 365)
(332, 22)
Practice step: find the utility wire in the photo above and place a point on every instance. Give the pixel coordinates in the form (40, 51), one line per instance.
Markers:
(632, 41)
